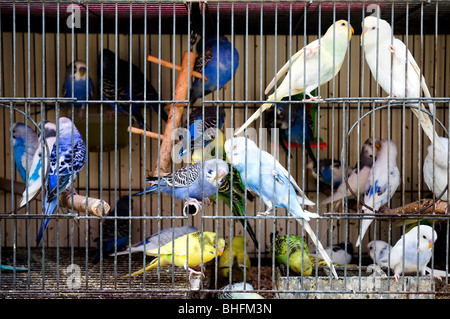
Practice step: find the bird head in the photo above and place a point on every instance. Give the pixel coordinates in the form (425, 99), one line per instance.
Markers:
(374, 29)
(79, 70)
(342, 28)
(367, 157)
(241, 149)
(427, 236)
(21, 133)
(215, 171)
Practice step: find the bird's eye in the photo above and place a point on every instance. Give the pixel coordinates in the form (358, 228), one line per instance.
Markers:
(424, 237)
(343, 23)
(373, 28)
(210, 171)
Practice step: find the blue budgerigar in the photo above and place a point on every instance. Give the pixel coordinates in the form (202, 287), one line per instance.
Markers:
(383, 181)
(218, 59)
(331, 172)
(123, 90)
(202, 128)
(191, 183)
(115, 232)
(267, 178)
(67, 158)
(78, 84)
(40, 163)
(25, 143)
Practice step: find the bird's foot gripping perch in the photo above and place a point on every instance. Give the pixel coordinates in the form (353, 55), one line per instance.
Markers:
(192, 206)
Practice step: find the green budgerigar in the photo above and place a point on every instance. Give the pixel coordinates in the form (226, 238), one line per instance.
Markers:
(299, 261)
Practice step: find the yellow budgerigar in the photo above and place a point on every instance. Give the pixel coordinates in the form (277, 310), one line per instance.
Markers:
(186, 251)
(302, 70)
(236, 260)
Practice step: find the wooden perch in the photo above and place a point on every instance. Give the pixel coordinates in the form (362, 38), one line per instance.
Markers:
(139, 131)
(419, 207)
(175, 114)
(170, 65)
(94, 205)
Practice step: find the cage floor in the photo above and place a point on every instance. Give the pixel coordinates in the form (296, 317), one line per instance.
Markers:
(45, 277)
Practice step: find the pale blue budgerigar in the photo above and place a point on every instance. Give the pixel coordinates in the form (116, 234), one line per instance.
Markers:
(389, 58)
(78, 84)
(189, 183)
(302, 70)
(383, 181)
(67, 158)
(40, 163)
(25, 144)
(266, 177)
(379, 252)
(242, 290)
(159, 239)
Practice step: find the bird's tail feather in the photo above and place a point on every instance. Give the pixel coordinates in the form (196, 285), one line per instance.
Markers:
(32, 191)
(365, 223)
(128, 250)
(427, 126)
(436, 272)
(49, 210)
(319, 245)
(147, 191)
(257, 113)
(153, 264)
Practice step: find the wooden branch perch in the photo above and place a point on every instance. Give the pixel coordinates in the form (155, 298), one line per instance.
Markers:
(419, 206)
(94, 205)
(175, 113)
(135, 130)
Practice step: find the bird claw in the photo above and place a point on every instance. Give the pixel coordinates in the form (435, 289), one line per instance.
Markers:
(275, 174)
(266, 213)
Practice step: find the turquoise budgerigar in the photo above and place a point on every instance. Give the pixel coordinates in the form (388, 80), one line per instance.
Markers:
(266, 177)
(302, 70)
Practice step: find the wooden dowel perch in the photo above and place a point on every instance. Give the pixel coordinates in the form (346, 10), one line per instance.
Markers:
(175, 114)
(139, 131)
(170, 65)
(94, 205)
(411, 208)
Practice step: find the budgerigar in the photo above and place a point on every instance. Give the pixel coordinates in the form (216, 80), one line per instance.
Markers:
(159, 239)
(341, 253)
(232, 191)
(379, 251)
(189, 183)
(204, 125)
(67, 158)
(115, 232)
(435, 170)
(40, 163)
(294, 249)
(242, 290)
(186, 251)
(218, 59)
(331, 172)
(25, 143)
(304, 77)
(235, 260)
(123, 90)
(383, 181)
(417, 245)
(357, 179)
(267, 178)
(388, 58)
(78, 84)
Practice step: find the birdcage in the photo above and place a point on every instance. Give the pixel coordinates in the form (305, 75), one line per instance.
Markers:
(152, 94)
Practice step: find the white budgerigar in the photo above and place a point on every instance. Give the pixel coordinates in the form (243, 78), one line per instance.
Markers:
(383, 181)
(302, 70)
(358, 177)
(379, 252)
(437, 165)
(266, 177)
(388, 58)
(413, 251)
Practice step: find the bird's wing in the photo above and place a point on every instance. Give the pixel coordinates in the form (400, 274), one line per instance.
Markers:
(289, 63)
(183, 177)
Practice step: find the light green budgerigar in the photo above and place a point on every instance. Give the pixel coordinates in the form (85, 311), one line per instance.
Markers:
(240, 261)
(299, 261)
(302, 70)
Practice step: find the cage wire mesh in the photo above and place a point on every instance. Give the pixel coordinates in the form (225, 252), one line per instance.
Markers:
(105, 89)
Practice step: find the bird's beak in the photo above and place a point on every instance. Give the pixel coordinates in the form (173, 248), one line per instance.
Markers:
(220, 252)
(377, 145)
(352, 31)
(82, 72)
(430, 244)
(220, 174)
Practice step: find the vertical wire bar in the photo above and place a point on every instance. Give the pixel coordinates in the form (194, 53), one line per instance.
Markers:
(100, 247)
(26, 143)
(40, 145)
(130, 123)
(261, 24)
(87, 223)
